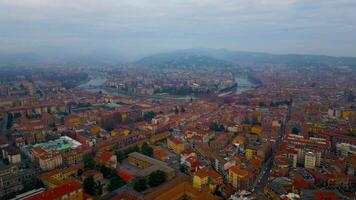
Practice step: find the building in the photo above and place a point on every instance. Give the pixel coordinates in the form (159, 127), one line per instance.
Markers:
(149, 165)
(346, 149)
(97, 176)
(12, 154)
(238, 178)
(176, 145)
(68, 191)
(13, 182)
(54, 153)
(310, 160)
(207, 177)
(106, 158)
(58, 177)
(177, 189)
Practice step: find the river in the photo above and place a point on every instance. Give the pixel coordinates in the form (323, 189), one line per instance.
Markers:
(95, 84)
(243, 83)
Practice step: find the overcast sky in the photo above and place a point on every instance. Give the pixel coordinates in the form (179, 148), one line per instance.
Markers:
(136, 27)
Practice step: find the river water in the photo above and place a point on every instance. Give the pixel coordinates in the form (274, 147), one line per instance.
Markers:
(95, 83)
(243, 84)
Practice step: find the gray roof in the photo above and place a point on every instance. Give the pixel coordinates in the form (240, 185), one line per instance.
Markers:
(155, 164)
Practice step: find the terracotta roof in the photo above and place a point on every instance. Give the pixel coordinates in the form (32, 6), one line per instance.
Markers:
(238, 171)
(57, 192)
(106, 155)
(127, 177)
(176, 141)
(326, 195)
(208, 171)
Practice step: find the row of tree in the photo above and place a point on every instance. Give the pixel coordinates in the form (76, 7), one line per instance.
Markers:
(95, 188)
(145, 149)
(156, 178)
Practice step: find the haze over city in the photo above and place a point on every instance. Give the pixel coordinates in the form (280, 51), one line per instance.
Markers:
(127, 30)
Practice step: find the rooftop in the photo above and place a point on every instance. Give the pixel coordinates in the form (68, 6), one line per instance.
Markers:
(61, 144)
(155, 164)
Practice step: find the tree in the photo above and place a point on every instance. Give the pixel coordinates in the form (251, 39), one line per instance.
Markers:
(295, 131)
(89, 185)
(120, 156)
(262, 104)
(148, 116)
(156, 178)
(176, 111)
(140, 184)
(106, 171)
(30, 185)
(10, 119)
(115, 183)
(108, 125)
(89, 163)
(80, 172)
(217, 127)
(146, 150)
(17, 115)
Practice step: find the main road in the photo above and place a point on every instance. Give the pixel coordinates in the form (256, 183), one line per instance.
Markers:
(266, 169)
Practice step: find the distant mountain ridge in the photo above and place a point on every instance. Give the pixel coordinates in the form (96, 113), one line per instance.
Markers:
(182, 59)
(240, 57)
(187, 58)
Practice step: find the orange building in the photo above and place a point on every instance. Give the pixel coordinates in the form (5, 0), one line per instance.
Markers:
(239, 178)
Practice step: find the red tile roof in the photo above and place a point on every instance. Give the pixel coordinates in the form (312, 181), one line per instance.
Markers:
(127, 177)
(57, 192)
(326, 196)
(106, 155)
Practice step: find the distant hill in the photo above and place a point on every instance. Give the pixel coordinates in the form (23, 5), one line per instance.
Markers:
(19, 58)
(188, 58)
(225, 57)
(183, 59)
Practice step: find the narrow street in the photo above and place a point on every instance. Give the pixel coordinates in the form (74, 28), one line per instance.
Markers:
(266, 169)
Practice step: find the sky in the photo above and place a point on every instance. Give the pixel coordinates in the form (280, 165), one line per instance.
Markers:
(133, 28)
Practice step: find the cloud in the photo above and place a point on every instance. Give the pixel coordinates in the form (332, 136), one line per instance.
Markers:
(259, 25)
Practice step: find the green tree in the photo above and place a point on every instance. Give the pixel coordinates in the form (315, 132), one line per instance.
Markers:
(116, 183)
(108, 125)
(17, 115)
(106, 171)
(120, 156)
(217, 127)
(30, 185)
(156, 178)
(89, 163)
(80, 172)
(148, 116)
(10, 119)
(295, 131)
(140, 184)
(146, 150)
(89, 185)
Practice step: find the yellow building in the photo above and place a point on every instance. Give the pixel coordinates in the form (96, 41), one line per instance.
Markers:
(238, 178)
(176, 145)
(256, 130)
(250, 152)
(59, 177)
(347, 114)
(207, 177)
